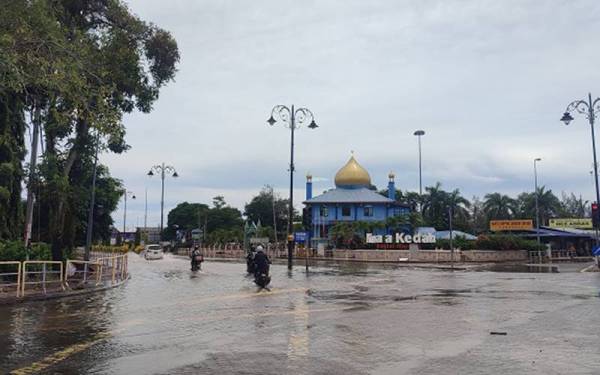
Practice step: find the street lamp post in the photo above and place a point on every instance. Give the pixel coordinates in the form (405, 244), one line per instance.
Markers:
(292, 119)
(590, 109)
(125, 194)
(162, 169)
(537, 207)
(419, 134)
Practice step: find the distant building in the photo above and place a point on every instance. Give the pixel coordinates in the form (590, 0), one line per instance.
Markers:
(121, 237)
(351, 200)
(149, 234)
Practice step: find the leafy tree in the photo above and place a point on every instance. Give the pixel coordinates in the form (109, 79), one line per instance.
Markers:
(186, 216)
(12, 151)
(571, 206)
(262, 207)
(478, 222)
(77, 66)
(223, 223)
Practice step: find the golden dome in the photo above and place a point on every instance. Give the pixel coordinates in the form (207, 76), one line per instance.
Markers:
(352, 175)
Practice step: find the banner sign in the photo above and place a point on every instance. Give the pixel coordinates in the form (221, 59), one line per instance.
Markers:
(301, 236)
(501, 225)
(401, 238)
(571, 223)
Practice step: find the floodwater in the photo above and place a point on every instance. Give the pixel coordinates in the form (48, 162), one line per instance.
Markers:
(339, 319)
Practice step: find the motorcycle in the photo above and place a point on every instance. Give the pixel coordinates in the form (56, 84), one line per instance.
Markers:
(197, 262)
(262, 279)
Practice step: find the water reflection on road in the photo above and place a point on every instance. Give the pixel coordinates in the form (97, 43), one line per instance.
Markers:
(340, 319)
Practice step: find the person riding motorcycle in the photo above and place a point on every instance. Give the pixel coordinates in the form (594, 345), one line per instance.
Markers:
(197, 258)
(261, 261)
(261, 267)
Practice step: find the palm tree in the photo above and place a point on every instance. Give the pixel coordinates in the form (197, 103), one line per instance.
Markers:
(549, 205)
(436, 203)
(499, 206)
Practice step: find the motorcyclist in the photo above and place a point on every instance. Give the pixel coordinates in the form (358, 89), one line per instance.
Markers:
(197, 258)
(261, 261)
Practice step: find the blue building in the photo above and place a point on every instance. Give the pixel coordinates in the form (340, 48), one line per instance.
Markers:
(351, 200)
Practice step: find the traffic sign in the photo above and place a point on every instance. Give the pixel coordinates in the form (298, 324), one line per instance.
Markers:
(300, 236)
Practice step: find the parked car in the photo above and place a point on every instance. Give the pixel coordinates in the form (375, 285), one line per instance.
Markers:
(152, 252)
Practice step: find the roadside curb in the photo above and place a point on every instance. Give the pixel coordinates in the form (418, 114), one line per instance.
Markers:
(72, 293)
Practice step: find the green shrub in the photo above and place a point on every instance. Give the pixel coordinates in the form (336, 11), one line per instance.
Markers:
(488, 242)
(16, 251)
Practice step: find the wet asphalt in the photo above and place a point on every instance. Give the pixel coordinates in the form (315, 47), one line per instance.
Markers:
(347, 318)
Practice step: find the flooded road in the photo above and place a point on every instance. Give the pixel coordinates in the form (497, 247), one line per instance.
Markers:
(344, 319)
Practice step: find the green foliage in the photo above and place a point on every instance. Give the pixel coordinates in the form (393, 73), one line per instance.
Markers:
(12, 151)
(436, 203)
(491, 242)
(16, 251)
(499, 206)
(262, 207)
(223, 223)
(78, 66)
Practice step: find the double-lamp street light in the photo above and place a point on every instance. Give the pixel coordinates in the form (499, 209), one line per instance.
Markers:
(292, 119)
(162, 169)
(590, 109)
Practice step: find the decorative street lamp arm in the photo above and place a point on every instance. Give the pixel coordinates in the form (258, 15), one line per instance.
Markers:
(283, 113)
(580, 106)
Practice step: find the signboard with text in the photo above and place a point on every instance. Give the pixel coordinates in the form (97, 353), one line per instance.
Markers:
(300, 236)
(506, 225)
(571, 223)
(401, 238)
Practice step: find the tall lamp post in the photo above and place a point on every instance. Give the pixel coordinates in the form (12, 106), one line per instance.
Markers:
(419, 134)
(537, 207)
(162, 169)
(125, 194)
(292, 119)
(590, 109)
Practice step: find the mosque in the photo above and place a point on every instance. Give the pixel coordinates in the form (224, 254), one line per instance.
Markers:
(351, 200)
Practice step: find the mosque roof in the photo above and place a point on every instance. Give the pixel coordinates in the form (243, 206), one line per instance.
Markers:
(359, 195)
(352, 175)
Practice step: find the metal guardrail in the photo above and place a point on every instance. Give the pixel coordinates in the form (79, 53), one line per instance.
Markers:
(45, 275)
(41, 276)
(114, 267)
(5, 277)
(82, 272)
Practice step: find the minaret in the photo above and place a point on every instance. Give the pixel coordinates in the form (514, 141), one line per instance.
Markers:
(391, 187)
(308, 186)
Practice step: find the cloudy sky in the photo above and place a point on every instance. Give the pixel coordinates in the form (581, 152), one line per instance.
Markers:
(487, 81)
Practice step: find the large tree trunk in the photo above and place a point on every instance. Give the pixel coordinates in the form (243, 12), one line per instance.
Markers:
(61, 201)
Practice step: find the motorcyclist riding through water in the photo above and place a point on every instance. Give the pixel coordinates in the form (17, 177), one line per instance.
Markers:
(261, 268)
(197, 258)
